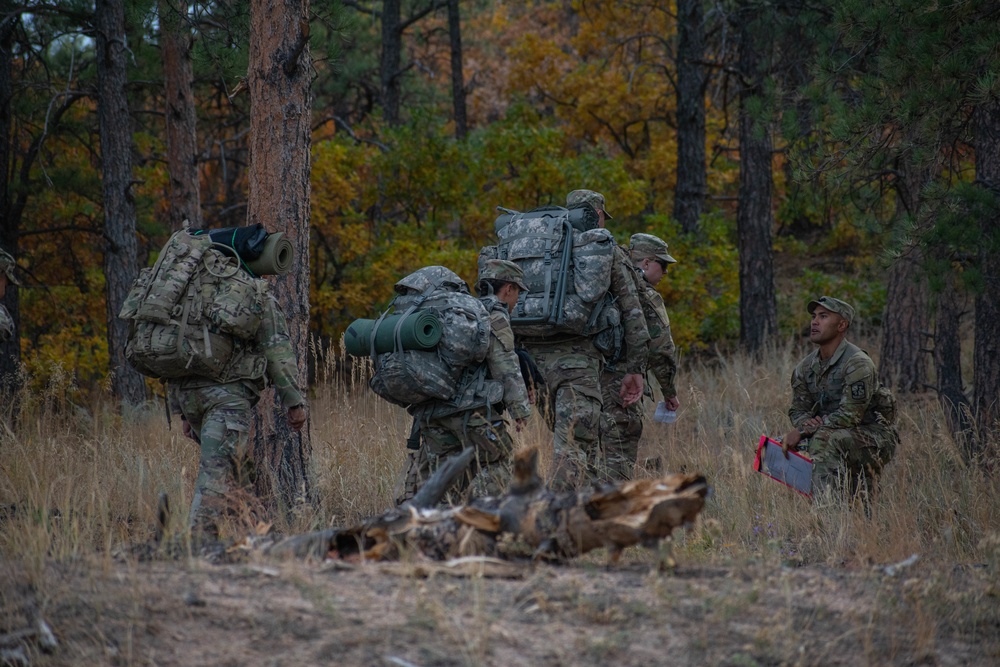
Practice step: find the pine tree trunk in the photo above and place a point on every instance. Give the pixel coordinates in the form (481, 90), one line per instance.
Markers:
(120, 248)
(691, 187)
(986, 357)
(10, 351)
(754, 220)
(392, 49)
(905, 323)
(279, 81)
(457, 78)
(948, 365)
(182, 137)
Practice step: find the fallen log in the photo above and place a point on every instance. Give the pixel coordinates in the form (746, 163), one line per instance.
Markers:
(556, 525)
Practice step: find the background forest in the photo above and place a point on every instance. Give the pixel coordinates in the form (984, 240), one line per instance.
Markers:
(783, 149)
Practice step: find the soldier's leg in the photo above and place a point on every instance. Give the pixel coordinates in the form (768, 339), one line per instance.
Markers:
(572, 377)
(221, 417)
(827, 448)
(494, 454)
(874, 446)
(416, 470)
(621, 429)
(441, 439)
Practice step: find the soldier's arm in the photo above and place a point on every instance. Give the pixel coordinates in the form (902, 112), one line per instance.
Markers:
(860, 380)
(803, 403)
(623, 288)
(662, 351)
(273, 342)
(501, 359)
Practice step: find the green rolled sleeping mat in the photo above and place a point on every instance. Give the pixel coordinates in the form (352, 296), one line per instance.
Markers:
(420, 330)
(275, 258)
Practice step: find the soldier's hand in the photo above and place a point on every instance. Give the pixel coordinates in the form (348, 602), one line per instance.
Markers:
(812, 425)
(672, 403)
(186, 428)
(631, 389)
(791, 441)
(296, 417)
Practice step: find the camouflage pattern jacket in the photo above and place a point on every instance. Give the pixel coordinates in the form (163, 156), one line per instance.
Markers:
(501, 360)
(662, 351)
(273, 346)
(6, 325)
(844, 390)
(626, 293)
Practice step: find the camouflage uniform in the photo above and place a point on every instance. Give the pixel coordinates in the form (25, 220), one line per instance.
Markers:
(571, 366)
(219, 415)
(445, 433)
(858, 436)
(622, 426)
(7, 265)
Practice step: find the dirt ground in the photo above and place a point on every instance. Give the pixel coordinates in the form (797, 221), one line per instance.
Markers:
(261, 612)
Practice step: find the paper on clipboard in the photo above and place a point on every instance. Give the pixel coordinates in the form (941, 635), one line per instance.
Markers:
(794, 472)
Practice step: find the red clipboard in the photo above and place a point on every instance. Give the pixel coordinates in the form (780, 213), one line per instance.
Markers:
(795, 472)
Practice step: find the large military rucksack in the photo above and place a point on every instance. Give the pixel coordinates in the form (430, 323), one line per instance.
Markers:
(567, 263)
(451, 371)
(194, 313)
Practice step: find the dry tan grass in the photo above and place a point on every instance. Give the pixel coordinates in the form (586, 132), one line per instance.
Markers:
(76, 481)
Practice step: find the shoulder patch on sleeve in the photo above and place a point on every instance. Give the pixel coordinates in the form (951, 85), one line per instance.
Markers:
(859, 390)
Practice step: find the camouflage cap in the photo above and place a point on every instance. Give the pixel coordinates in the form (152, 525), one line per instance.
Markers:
(842, 308)
(504, 271)
(646, 245)
(7, 265)
(595, 199)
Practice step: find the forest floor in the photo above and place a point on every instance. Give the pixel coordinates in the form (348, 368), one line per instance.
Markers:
(263, 612)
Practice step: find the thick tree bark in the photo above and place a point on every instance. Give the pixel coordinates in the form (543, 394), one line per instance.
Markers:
(182, 137)
(120, 248)
(754, 219)
(905, 323)
(10, 351)
(948, 365)
(692, 184)
(986, 357)
(457, 78)
(392, 49)
(280, 72)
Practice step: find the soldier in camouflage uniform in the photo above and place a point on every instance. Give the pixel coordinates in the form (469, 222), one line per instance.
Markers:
(7, 265)
(571, 366)
(499, 284)
(622, 427)
(217, 415)
(844, 418)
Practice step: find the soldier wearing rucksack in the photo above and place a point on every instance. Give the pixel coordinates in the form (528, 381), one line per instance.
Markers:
(200, 321)
(457, 388)
(581, 306)
(624, 424)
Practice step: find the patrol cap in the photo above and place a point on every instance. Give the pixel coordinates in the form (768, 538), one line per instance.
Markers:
(7, 265)
(842, 308)
(646, 245)
(595, 199)
(504, 271)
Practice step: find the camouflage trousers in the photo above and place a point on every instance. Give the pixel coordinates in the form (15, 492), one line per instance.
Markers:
(219, 415)
(445, 437)
(571, 405)
(849, 460)
(621, 428)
